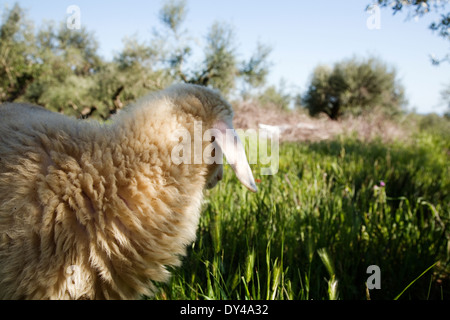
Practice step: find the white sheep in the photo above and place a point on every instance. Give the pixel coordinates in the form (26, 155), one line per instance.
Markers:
(98, 211)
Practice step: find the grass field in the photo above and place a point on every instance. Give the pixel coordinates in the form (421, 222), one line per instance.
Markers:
(333, 209)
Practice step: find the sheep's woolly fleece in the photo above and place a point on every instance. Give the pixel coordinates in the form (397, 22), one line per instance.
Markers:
(98, 211)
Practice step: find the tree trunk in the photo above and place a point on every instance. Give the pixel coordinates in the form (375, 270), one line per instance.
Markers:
(334, 114)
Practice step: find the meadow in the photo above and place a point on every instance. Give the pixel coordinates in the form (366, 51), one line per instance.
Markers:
(333, 209)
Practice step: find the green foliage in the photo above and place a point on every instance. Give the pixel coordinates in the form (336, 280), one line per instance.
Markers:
(311, 231)
(220, 58)
(353, 86)
(61, 69)
(220, 67)
(254, 71)
(173, 13)
(17, 55)
(277, 97)
(433, 124)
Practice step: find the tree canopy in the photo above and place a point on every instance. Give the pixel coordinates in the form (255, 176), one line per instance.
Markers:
(60, 68)
(353, 86)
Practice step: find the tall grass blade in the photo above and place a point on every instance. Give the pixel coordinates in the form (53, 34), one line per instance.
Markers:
(409, 285)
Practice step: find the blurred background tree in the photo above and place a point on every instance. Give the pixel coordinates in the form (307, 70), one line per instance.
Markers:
(353, 86)
(220, 67)
(18, 55)
(275, 97)
(67, 61)
(61, 69)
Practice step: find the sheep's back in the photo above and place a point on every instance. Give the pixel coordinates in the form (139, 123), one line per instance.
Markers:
(30, 138)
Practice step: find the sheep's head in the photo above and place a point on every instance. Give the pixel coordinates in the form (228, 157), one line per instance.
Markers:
(216, 115)
(231, 146)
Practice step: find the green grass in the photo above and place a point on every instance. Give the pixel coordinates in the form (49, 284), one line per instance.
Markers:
(313, 228)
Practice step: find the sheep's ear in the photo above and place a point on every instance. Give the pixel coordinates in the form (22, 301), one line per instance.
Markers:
(231, 146)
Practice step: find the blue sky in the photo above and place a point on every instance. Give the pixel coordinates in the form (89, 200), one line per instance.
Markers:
(302, 33)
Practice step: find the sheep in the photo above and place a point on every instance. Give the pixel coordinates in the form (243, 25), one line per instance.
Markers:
(100, 211)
